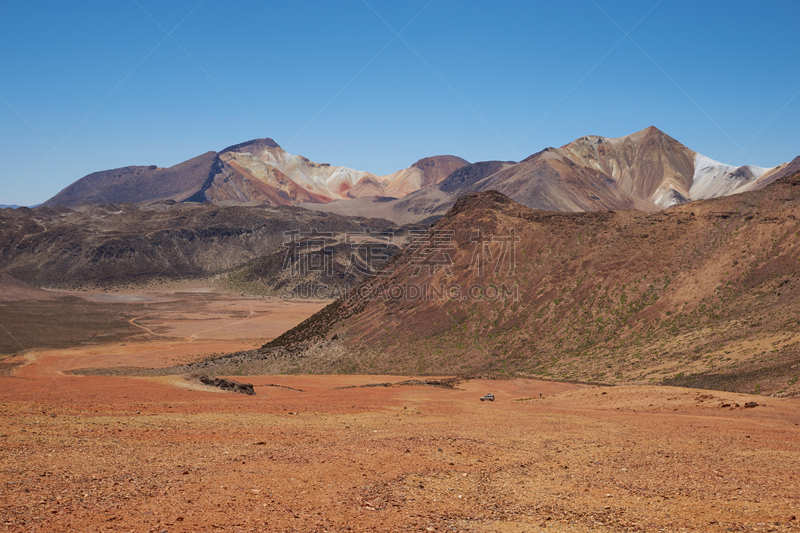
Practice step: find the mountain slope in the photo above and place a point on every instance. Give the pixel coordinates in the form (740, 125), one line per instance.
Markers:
(774, 174)
(262, 160)
(120, 244)
(702, 294)
(142, 184)
(14, 290)
(257, 171)
(647, 170)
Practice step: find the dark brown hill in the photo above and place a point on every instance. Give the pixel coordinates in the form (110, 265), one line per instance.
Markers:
(142, 184)
(470, 174)
(435, 169)
(703, 294)
(112, 245)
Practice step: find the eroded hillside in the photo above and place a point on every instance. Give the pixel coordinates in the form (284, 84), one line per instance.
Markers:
(702, 294)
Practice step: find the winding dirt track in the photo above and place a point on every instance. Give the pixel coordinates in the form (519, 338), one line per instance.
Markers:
(133, 320)
(135, 454)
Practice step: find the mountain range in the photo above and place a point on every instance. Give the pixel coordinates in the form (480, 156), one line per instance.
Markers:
(647, 170)
(244, 247)
(257, 171)
(625, 260)
(702, 294)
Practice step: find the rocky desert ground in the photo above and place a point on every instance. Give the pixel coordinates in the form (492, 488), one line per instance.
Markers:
(356, 453)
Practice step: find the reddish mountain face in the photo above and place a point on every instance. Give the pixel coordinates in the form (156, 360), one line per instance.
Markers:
(702, 294)
(779, 172)
(648, 171)
(436, 169)
(257, 171)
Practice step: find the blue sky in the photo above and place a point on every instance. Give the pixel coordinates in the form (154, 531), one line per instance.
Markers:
(93, 85)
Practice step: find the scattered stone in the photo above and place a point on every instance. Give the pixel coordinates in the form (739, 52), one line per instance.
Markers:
(283, 387)
(224, 384)
(446, 383)
(750, 405)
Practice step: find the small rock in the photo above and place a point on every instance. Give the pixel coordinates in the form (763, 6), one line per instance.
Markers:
(750, 405)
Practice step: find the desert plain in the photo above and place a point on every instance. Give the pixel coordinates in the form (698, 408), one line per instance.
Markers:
(364, 452)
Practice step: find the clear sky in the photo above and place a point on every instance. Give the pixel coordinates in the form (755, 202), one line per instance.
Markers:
(93, 85)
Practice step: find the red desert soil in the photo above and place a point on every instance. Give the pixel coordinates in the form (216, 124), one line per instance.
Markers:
(163, 454)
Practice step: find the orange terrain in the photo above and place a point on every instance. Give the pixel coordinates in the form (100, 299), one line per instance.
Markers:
(88, 453)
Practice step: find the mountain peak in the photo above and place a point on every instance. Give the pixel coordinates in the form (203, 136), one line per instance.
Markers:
(480, 201)
(252, 146)
(434, 160)
(436, 168)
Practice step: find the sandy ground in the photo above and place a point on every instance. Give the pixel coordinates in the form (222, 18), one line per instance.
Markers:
(162, 454)
(202, 314)
(175, 328)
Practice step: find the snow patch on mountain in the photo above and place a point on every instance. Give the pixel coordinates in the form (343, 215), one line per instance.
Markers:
(713, 179)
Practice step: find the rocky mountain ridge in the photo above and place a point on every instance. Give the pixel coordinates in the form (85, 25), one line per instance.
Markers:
(701, 294)
(647, 171)
(253, 172)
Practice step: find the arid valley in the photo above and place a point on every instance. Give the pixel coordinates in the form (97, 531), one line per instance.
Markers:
(381, 266)
(366, 453)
